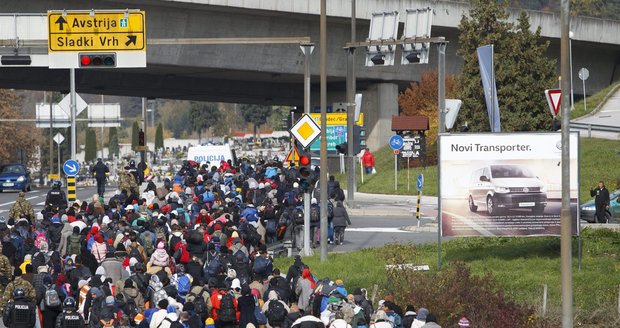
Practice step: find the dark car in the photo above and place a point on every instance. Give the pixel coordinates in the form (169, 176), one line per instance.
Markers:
(14, 177)
(587, 209)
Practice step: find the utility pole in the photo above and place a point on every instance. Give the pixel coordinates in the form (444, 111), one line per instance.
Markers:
(73, 113)
(565, 215)
(351, 172)
(323, 151)
(307, 51)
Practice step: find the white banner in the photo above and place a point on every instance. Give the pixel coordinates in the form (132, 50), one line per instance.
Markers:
(504, 184)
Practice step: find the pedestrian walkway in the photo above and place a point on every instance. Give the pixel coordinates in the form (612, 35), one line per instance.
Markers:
(607, 113)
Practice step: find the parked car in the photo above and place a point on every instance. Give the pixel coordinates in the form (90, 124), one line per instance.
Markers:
(587, 209)
(506, 186)
(15, 177)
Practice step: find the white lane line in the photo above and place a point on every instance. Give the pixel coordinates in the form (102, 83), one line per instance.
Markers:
(373, 229)
(41, 203)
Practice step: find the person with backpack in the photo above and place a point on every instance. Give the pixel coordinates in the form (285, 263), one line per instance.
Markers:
(74, 242)
(263, 265)
(134, 302)
(99, 248)
(182, 281)
(161, 313)
(51, 305)
(19, 312)
(305, 288)
(159, 259)
(224, 310)
(248, 308)
(275, 309)
(69, 318)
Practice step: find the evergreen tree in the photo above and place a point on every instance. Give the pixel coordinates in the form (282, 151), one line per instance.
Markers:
(257, 115)
(113, 148)
(522, 72)
(159, 137)
(135, 129)
(203, 116)
(90, 150)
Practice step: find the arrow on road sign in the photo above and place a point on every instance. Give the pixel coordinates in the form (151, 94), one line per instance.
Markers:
(71, 167)
(61, 23)
(131, 39)
(554, 99)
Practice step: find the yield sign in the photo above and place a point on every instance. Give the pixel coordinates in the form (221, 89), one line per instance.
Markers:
(554, 99)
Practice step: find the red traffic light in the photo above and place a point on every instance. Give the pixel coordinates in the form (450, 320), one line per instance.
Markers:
(304, 160)
(85, 60)
(103, 60)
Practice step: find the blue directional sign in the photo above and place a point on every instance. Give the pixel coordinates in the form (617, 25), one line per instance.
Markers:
(420, 181)
(71, 167)
(396, 142)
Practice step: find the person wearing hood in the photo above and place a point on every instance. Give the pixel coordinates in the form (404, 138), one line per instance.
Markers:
(92, 306)
(409, 316)
(274, 297)
(359, 296)
(159, 259)
(431, 321)
(420, 319)
(305, 288)
(67, 230)
(99, 248)
(246, 305)
(381, 320)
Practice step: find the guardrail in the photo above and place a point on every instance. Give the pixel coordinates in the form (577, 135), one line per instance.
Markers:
(595, 127)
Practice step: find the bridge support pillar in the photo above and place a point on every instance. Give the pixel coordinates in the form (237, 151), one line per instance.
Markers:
(380, 104)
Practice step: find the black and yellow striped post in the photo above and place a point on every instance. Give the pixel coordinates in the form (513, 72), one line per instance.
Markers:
(71, 189)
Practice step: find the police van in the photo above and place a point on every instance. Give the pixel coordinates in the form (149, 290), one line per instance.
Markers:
(211, 153)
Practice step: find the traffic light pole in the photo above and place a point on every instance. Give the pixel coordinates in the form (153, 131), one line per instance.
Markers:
(307, 51)
(143, 152)
(73, 111)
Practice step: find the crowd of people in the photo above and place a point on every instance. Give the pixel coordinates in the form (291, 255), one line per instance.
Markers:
(192, 253)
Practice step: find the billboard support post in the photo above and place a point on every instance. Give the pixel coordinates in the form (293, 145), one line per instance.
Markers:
(441, 104)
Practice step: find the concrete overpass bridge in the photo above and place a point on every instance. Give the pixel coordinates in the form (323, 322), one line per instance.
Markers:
(273, 74)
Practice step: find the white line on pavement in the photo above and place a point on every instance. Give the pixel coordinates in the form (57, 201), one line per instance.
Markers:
(373, 229)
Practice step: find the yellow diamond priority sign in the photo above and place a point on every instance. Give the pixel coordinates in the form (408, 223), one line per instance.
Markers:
(305, 130)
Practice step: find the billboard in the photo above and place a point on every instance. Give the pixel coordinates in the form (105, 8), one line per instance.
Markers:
(506, 184)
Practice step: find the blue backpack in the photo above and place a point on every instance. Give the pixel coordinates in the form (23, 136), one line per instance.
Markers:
(214, 266)
(271, 172)
(208, 197)
(262, 266)
(183, 285)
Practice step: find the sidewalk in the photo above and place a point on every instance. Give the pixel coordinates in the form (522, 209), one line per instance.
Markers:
(379, 204)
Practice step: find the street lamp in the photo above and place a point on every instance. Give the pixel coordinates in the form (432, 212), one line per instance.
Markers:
(570, 59)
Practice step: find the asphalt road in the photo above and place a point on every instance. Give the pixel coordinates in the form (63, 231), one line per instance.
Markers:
(366, 231)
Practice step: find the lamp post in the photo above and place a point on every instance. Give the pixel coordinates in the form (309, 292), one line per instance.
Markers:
(570, 59)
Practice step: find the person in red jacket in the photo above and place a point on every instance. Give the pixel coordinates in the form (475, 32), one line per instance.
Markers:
(368, 161)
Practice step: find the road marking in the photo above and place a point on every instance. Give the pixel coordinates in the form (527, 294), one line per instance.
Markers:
(472, 224)
(373, 229)
(39, 204)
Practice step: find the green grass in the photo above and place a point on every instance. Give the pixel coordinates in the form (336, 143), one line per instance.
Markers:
(591, 102)
(521, 266)
(598, 161)
(383, 181)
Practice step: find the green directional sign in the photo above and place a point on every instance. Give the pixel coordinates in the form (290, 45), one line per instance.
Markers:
(336, 134)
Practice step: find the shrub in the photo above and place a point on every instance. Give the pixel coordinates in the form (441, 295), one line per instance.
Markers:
(454, 292)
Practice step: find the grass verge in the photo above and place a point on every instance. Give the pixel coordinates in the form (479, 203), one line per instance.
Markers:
(520, 265)
(592, 102)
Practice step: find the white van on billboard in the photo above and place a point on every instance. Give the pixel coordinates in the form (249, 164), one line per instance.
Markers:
(504, 184)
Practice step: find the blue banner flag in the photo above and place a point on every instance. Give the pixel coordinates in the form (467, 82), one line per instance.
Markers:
(487, 73)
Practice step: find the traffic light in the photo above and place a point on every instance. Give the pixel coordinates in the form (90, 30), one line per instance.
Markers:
(359, 138)
(97, 60)
(141, 138)
(305, 172)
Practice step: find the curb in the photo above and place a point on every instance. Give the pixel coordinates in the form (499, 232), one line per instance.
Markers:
(423, 228)
(380, 212)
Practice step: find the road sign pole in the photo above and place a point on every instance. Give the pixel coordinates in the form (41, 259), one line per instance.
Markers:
(407, 173)
(585, 108)
(323, 151)
(73, 111)
(441, 95)
(58, 146)
(307, 51)
(395, 172)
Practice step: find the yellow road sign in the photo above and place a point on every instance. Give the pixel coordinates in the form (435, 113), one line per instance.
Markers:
(53, 176)
(96, 31)
(305, 130)
(337, 118)
(293, 156)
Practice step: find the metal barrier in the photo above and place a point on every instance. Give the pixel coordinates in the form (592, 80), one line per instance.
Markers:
(594, 127)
